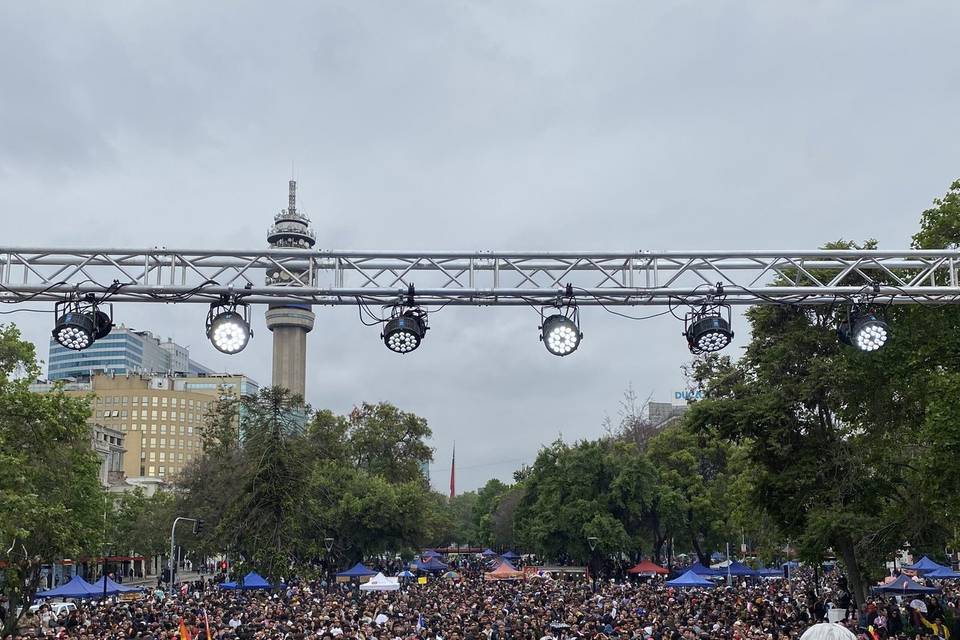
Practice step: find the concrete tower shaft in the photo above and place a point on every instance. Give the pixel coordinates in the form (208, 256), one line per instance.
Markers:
(290, 324)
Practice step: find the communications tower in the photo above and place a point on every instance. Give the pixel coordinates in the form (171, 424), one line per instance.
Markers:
(290, 323)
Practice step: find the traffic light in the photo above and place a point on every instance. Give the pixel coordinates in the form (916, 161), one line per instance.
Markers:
(198, 526)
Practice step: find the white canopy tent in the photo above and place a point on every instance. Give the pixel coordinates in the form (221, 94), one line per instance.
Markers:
(381, 582)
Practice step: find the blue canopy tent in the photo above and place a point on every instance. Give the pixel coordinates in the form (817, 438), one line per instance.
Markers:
(252, 580)
(488, 553)
(769, 572)
(792, 564)
(113, 588)
(925, 565)
(405, 574)
(689, 579)
(904, 585)
(943, 574)
(738, 569)
(432, 566)
(357, 571)
(430, 553)
(76, 588)
(502, 562)
(509, 555)
(700, 570)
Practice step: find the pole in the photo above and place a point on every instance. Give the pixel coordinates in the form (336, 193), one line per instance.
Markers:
(104, 554)
(173, 562)
(729, 580)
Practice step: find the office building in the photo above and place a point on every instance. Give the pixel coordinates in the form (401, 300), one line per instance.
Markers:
(108, 444)
(123, 351)
(663, 414)
(160, 417)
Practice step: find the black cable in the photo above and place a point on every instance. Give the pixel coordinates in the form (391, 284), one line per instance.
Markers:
(22, 298)
(618, 313)
(26, 310)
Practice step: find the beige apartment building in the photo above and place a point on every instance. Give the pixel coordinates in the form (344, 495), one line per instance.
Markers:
(161, 417)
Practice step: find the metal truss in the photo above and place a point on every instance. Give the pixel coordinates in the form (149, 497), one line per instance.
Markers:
(319, 277)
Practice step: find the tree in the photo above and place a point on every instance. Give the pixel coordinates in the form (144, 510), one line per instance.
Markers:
(572, 492)
(388, 442)
(463, 527)
(263, 480)
(50, 497)
(139, 525)
(271, 492)
(849, 448)
(696, 469)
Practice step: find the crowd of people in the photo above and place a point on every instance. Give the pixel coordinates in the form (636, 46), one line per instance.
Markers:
(474, 609)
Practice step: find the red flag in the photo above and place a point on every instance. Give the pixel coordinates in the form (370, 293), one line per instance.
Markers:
(453, 473)
(184, 632)
(206, 623)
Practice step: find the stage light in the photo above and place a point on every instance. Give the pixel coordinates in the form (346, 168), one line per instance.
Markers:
(228, 331)
(865, 331)
(80, 323)
(75, 331)
(405, 331)
(560, 335)
(707, 330)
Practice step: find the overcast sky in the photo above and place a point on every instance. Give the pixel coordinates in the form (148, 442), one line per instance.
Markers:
(473, 125)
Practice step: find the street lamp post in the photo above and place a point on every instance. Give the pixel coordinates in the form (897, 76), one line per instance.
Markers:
(592, 541)
(173, 562)
(328, 544)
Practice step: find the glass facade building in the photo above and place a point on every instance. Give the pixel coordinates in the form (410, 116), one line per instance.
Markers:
(123, 351)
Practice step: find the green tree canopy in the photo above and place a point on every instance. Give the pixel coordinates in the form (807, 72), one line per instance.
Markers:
(52, 503)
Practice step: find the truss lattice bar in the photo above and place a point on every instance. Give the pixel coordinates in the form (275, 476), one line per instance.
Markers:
(321, 277)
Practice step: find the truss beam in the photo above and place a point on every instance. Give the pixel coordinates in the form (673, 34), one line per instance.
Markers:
(320, 277)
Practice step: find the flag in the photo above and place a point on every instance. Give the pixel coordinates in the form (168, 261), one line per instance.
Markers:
(420, 622)
(206, 624)
(453, 472)
(184, 632)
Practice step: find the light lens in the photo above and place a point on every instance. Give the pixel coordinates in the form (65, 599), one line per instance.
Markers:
(870, 333)
(403, 334)
(709, 334)
(229, 332)
(74, 331)
(561, 335)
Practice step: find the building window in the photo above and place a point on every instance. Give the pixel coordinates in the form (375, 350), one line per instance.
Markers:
(153, 456)
(163, 415)
(163, 401)
(152, 470)
(163, 456)
(123, 414)
(134, 414)
(99, 414)
(163, 471)
(163, 442)
(153, 414)
(153, 442)
(154, 400)
(153, 428)
(124, 400)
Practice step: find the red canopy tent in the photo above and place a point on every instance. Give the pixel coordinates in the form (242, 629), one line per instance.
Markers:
(646, 567)
(504, 572)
